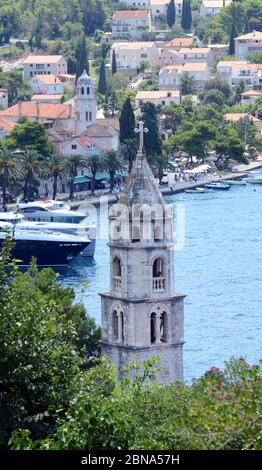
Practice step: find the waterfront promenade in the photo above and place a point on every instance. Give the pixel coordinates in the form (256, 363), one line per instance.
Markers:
(239, 172)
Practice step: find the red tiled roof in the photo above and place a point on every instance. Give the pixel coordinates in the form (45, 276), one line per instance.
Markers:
(131, 14)
(180, 42)
(49, 79)
(29, 109)
(43, 59)
(7, 125)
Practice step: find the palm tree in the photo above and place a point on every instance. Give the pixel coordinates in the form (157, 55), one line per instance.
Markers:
(128, 151)
(113, 162)
(31, 164)
(95, 163)
(160, 163)
(57, 166)
(7, 170)
(73, 163)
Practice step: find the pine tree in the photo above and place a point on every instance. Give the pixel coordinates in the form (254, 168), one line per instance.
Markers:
(127, 122)
(102, 79)
(171, 14)
(186, 19)
(232, 42)
(152, 139)
(81, 55)
(114, 66)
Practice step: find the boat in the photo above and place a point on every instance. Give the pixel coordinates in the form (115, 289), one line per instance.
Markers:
(51, 249)
(255, 180)
(196, 191)
(237, 182)
(57, 212)
(218, 186)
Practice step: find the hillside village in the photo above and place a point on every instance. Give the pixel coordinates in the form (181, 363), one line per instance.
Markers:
(140, 61)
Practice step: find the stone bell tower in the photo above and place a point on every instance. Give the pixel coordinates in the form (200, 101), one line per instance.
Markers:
(142, 316)
(85, 103)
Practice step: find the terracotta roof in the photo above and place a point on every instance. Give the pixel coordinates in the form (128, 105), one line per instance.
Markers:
(195, 67)
(46, 97)
(7, 125)
(252, 93)
(253, 35)
(233, 117)
(131, 14)
(48, 79)
(102, 128)
(132, 45)
(231, 63)
(180, 42)
(29, 109)
(194, 50)
(43, 59)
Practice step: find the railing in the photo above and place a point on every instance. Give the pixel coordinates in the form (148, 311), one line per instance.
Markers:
(159, 283)
(117, 282)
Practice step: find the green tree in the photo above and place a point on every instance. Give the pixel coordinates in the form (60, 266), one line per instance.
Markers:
(152, 139)
(113, 162)
(214, 97)
(160, 163)
(57, 166)
(128, 151)
(230, 146)
(31, 165)
(18, 88)
(73, 164)
(127, 122)
(218, 84)
(102, 79)
(96, 164)
(81, 55)
(7, 170)
(187, 84)
(30, 135)
(114, 66)
(171, 14)
(233, 35)
(186, 18)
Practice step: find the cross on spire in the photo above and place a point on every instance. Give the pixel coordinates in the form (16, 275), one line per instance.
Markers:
(141, 130)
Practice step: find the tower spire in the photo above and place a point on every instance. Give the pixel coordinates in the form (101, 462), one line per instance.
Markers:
(141, 130)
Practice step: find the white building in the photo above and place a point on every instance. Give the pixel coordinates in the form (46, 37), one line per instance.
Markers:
(210, 8)
(235, 71)
(142, 316)
(130, 55)
(251, 42)
(250, 96)
(194, 54)
(161, 97)
(47, 85)
(131, 24)
(44, 65)
(85, 103)
(170, 76)
(3, 98)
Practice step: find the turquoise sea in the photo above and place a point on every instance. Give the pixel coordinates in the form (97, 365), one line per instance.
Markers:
(219, 269)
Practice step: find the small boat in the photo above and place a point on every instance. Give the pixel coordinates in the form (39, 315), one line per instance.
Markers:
(218, 186)
(49, 248)
(256, 180)
(236, 182)
(196, 191)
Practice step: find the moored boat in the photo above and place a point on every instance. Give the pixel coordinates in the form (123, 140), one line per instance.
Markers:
(196, 191)
(255, 180)
(236, 182)
(219, 186)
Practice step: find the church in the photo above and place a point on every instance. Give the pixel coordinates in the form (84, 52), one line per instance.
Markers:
(142, 315)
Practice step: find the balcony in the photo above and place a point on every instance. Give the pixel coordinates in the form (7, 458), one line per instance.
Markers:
(117, 281)
(159, 283)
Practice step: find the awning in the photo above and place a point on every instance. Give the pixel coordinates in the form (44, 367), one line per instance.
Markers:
(81, 179)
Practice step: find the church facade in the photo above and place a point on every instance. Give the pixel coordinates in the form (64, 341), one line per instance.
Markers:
(142, 315)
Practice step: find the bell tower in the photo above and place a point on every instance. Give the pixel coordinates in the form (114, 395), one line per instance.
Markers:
(142, 316)
(85, 103)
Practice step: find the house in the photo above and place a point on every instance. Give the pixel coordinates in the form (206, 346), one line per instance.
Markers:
(195, 54)
(137, 3)
(130, 24)
(158, 8)
(235, 71)
(209, 8)
(47, 85)
(167, 57)
(51, 99)
(44, 65)
(5, 127)
(130, 55)
(235, 117)
(251, 42)
(199, 71)
(219, 50)
(162, 97)
(169, 77)
(3, 98)
(176, 43)
(250, 96)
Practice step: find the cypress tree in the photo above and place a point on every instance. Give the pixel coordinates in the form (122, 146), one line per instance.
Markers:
(171, 14)
(81, 55)
(186, 19)
(102, 79)
(232, 42)
(152, 139)
(114, 66)
(127, 122)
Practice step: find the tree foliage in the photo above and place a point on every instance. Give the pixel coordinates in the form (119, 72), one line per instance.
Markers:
(171, 14)
(152, 139)
(127, 121)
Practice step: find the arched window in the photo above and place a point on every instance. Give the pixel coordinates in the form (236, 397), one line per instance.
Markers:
(158, 272)
(153, 328)
(88, 90)
(115, 326)
(118, 325)
(82, 90)
(135, 233)
(164, 327)
(86, 116)
(117, 273)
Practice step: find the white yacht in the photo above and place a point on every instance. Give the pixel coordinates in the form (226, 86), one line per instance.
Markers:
(51, 249)
(57, 216)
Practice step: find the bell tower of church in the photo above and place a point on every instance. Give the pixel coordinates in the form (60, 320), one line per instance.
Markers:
(85, 103)
(142, 316)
